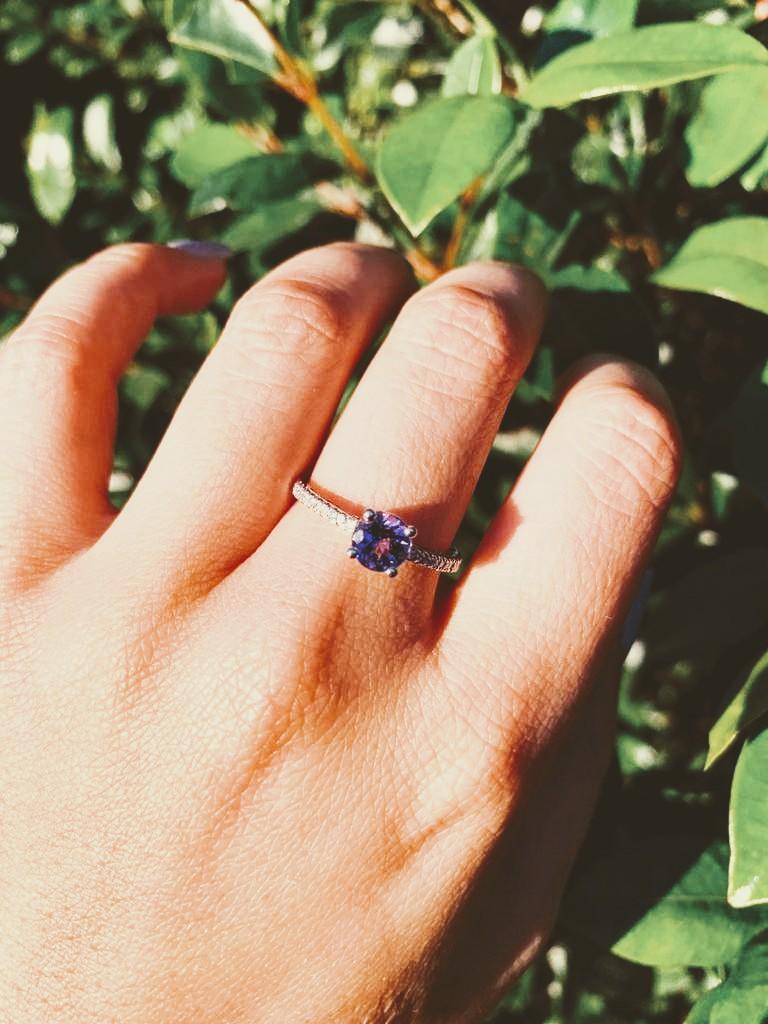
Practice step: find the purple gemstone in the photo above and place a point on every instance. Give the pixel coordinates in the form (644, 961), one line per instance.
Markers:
(381, 543)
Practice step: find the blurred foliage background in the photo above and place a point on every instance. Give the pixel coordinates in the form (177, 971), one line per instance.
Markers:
(454, 130)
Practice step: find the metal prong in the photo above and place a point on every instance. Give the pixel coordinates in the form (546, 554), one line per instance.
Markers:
(391, 572)
(351, 553)
(368, 515)
(411, 531)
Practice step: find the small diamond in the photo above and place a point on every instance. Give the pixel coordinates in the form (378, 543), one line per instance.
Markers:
(382, 542)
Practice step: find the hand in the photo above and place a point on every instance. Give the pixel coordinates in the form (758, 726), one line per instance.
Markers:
(242, 778)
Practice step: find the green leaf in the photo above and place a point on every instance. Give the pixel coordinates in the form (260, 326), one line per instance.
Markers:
(594, 162)
(743, 997)
(290, 14)
(99, 133)
(271, 222)
(243, 185)
(661, 901)
(748, 825)
(756, 173)
(474, 69)
(686, 620)
(573, 22)
(208, 149)
(142, 385)
(226, 28)
(431, 156)
(344, 27)
(174, 11)
(524, 236)
(24, 45)
(50, 162)
(724, 133)
(592, 17)
(233, 91)
(728, 259)
(749, 705)
(642, 59)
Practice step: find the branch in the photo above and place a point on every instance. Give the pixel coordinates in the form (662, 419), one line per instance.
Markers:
(466, 207)
(450, 14)
(300, 83)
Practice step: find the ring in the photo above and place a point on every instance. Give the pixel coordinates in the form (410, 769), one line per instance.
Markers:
(381, 541)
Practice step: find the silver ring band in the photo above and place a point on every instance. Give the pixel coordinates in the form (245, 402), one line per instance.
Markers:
(393, 542)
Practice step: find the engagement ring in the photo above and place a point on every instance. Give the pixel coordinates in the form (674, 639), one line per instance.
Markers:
(381, 541)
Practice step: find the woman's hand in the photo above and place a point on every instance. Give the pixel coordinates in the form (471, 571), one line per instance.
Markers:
(242, 778)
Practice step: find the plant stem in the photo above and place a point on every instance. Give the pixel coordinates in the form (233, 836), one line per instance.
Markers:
(318, 107)
(300, 83)
(453, 23)
(499, 173)
(261, 136)
(466, 206)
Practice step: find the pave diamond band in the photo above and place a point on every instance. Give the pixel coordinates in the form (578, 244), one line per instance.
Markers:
(381, 541)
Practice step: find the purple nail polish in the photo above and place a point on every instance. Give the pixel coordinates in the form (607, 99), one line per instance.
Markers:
(201, 250)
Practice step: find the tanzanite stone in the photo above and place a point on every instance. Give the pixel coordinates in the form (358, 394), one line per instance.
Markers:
(381, 542)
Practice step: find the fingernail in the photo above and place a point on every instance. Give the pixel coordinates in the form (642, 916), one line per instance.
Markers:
(201, 250)
(636, 612)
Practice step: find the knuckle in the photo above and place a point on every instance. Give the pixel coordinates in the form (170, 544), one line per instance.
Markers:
(290, 317)
(56, 335)
(639, 439)
(469, 335)
(125, 255)
(120, 280)
(47, 352)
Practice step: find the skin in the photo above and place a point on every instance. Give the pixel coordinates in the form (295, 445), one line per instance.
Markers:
(242, 779)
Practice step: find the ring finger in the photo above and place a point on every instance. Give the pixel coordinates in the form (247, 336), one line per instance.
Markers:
(416, 432)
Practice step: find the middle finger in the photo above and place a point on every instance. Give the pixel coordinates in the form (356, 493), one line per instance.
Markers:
(415, 435)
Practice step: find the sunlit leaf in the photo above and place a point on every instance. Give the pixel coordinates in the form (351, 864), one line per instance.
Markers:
(728, 259)
(99, 133)
(50, 162)
(242, 185)
(429, 157)
(226, 28)
(208, 149)
(572, 22)
(271, 222)
(661, 901)
(595, 17)
(743, 997)
(757, 172)
(724, 132)
(644, 58)
(474, 68)
(748, 706)
(748, 825)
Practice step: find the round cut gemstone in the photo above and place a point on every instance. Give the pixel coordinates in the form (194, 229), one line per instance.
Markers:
(382, 542)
